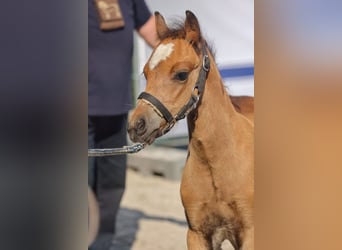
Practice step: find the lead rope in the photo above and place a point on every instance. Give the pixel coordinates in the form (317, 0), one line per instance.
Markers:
(100, 152)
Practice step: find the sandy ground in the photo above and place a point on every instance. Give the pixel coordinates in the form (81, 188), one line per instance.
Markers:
(152, 207)
(151, 215)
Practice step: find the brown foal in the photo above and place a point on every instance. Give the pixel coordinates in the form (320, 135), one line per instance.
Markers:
(217, 185)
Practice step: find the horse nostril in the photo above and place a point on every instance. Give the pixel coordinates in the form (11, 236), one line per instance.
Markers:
(140, 126)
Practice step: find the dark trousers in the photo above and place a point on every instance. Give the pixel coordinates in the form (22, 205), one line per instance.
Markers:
(107, 175)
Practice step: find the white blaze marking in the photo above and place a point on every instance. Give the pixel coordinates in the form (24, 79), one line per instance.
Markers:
(160, 54)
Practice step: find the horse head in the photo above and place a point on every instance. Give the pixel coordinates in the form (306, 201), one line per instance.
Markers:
(172, 74)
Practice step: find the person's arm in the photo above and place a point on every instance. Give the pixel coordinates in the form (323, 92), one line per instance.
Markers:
(149, 33)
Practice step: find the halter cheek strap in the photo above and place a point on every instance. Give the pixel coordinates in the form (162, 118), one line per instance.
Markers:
(198, 89)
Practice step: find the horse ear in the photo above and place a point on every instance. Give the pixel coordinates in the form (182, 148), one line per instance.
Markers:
(161, 26)
(192, 28)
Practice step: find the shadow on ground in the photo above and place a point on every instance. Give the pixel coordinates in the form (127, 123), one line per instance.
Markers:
(128, 226)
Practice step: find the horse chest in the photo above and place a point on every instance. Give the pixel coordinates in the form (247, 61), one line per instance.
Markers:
(216, 221)
(201, 182)
(208, 201)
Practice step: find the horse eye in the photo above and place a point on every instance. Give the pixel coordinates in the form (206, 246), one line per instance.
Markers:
(182, 76)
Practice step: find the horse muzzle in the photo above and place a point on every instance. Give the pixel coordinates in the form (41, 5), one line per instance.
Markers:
(144, 125)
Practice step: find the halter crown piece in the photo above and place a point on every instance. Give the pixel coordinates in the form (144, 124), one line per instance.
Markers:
(162, 111)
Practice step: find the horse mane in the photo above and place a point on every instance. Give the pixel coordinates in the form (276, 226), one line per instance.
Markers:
(176, 30)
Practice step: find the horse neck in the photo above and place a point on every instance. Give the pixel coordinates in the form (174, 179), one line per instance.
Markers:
(210, 126)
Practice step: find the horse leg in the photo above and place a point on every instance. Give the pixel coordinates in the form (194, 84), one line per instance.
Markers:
(248, 240)
(196, 241)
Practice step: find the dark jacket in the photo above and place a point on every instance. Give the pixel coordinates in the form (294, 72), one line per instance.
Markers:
(110, 60)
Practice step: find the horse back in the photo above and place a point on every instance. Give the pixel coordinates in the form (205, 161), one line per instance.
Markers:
(244, 105)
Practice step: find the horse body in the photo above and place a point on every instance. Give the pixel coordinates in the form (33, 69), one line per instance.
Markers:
(217, 181)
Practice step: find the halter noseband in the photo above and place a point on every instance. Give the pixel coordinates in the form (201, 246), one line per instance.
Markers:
(163, 112)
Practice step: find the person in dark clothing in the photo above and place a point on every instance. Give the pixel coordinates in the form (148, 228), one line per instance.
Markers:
(109, 100)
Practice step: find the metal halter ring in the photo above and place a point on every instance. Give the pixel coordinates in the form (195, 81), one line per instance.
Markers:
(206, 63)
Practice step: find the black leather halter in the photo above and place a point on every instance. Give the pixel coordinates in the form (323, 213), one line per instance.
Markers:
(163, 112)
